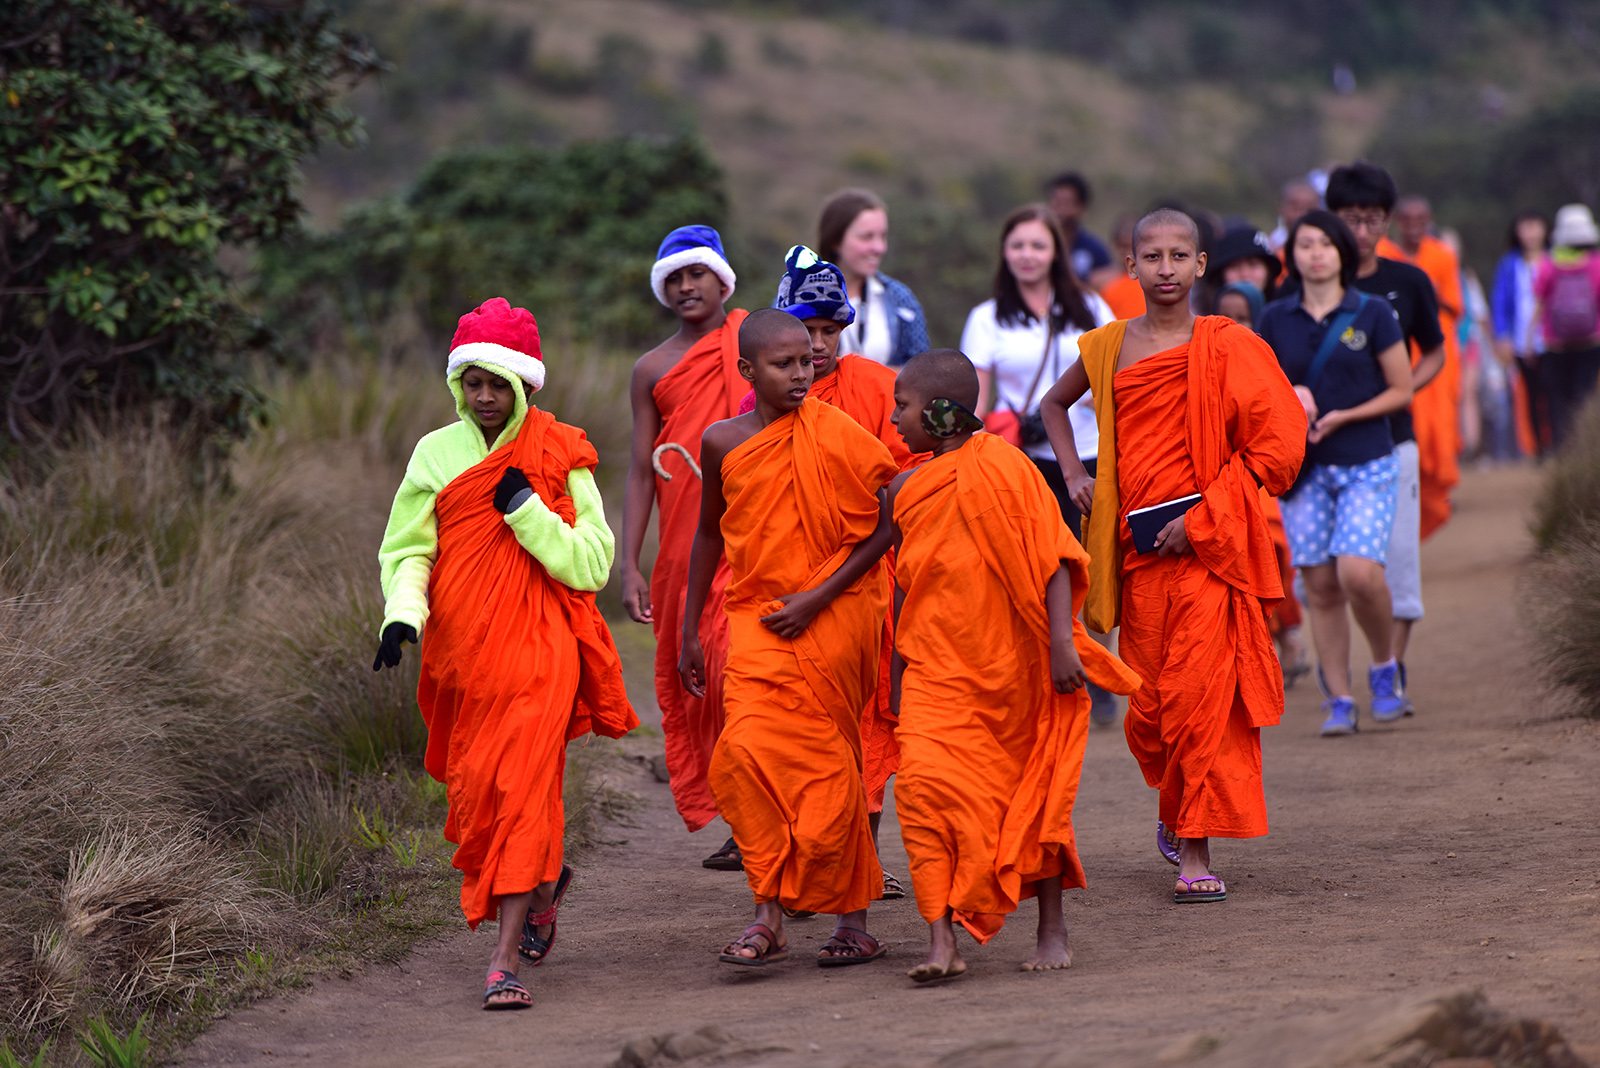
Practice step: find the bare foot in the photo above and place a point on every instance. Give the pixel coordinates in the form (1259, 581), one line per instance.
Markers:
(944, 961)
(1054, 952)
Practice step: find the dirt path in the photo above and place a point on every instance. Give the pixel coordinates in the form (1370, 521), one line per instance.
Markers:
(1456, 849)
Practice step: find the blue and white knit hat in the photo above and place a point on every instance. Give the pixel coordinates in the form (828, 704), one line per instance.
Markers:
(686, 245)
(813, 288)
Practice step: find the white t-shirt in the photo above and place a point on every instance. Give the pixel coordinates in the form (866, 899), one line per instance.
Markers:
(875, 345)
(1013, 353)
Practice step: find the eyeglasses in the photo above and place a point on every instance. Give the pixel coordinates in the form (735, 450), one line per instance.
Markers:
(1375, 222)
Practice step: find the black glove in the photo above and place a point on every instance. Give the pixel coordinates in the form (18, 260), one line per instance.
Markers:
(389, 648)
(512, 483)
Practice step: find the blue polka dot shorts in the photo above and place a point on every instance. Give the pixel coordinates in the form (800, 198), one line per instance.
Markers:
(1342, 510)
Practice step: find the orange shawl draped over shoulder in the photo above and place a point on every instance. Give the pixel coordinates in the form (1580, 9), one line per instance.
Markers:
(1435, 409)
(990, 753)
(1243, 423)
(786, 774)
(704, 387)
(514, 665)
(864, 390)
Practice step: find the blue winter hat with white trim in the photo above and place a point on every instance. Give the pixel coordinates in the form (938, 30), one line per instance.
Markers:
(813, 288)
(690, 245)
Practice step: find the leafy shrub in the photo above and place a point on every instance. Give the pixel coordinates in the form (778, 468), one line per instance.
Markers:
(139, 138)
(570, 235)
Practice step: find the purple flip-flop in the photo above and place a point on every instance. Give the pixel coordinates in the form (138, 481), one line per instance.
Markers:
(1168, 850)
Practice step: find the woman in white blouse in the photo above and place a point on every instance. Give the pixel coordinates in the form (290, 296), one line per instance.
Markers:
(1027, 336)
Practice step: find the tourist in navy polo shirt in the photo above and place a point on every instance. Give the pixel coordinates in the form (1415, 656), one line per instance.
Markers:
(1339, 515)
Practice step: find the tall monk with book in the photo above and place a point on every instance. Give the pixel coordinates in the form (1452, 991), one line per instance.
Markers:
(1195, 418)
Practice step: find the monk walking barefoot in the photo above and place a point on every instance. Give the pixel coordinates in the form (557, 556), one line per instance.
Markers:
(1195, 415)
(794, 500)
(990, 673)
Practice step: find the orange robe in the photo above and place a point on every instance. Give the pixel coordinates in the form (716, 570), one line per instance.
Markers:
(704, 387)
(864, 390)
(1124, 297)
(801, 494)
(1287, 612)
(514, 665)
(990, 753)
(1194, 626)
(1435, 410)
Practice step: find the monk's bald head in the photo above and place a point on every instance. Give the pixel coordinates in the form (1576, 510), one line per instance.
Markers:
(767, 327)
(1151, 221)
(942, 373)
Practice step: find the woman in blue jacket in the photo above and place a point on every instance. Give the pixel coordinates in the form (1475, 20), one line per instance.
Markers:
(853, 232)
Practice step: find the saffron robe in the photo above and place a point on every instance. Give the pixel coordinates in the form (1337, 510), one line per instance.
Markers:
(787, 770)
(704, 387)
(990, 753)
(1125, 297)
(1194, 626)
(864, 390)
(514, 665)
(1436, 408)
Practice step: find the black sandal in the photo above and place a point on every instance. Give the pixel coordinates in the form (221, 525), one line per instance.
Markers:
(727, 858)
(849, 945)
(505, 983)
(533, 948)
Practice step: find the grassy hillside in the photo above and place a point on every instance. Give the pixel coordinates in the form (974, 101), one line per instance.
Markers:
(953, 132)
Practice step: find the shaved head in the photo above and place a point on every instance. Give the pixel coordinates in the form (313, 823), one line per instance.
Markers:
(766, 326)
(1414, 201)
(943, 373)
(1165, 217)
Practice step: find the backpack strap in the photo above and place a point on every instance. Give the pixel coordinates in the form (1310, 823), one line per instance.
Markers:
(1341, 322)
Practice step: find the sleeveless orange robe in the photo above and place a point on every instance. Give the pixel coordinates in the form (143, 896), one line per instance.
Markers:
(702, 388)
(514, 665)
(787, 771)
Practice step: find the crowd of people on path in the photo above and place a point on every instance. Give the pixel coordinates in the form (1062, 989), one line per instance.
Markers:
(880, 559)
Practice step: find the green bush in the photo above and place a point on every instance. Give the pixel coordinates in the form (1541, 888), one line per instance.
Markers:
(140, 137)
(570, 235)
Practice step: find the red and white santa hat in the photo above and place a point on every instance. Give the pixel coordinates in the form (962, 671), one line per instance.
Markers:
(495, 333)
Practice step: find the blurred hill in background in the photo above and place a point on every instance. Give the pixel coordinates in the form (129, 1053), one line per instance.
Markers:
(956, 110)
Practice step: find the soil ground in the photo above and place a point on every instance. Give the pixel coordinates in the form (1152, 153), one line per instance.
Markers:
(1456, 849)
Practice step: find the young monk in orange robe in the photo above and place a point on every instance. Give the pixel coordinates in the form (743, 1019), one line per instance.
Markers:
(794, 498)
(813, 291)
(1187, 405)
(679, 388)
(495, 543)
(1435, 412)
(990, 674)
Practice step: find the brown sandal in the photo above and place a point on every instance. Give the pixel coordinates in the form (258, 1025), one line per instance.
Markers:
(849, 945)
(762, 939)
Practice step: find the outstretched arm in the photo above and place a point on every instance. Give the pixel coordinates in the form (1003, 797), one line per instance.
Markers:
(799, 609)
(1058, 425)
(703, 559)
(639, 495)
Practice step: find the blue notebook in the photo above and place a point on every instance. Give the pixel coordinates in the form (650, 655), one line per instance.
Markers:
(1146, 523)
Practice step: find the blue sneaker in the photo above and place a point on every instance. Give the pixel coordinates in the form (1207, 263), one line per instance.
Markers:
(1341, 716)
(1388, 704)
(1405, 691)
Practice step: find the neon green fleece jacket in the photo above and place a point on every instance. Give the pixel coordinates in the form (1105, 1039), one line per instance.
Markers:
(578, 556)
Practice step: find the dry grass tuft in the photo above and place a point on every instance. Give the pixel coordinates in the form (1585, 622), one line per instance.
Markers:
(1562, 605)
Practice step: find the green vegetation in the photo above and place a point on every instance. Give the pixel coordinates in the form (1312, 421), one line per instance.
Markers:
(569, 234)
(140, 138)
